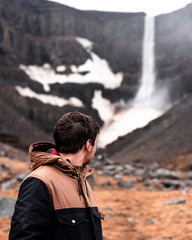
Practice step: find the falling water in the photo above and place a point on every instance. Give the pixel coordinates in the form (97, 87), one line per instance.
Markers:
(143, 96)
(147, 104)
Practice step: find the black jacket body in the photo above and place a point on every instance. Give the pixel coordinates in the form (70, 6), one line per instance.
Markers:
(55, 202)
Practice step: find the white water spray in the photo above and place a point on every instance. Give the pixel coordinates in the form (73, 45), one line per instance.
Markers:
(147, 84)
(143, 108)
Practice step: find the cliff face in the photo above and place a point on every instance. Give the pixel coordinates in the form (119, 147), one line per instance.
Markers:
(52, 53)
(173, 51)
(40, 31)
(36, 32)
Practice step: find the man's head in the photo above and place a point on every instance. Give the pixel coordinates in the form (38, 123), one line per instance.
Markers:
(73, 130)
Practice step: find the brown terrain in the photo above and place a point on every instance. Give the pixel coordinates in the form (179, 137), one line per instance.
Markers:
(137, 213)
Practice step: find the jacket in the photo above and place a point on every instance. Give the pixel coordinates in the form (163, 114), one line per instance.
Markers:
(55, 201)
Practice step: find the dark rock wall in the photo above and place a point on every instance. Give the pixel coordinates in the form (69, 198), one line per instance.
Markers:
(42, 31)
(173, 51)
(38, 31)
(35, 32)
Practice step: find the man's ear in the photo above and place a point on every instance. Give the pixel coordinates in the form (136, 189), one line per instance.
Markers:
(88, 145)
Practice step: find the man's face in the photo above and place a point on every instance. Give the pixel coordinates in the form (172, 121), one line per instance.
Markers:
(91, 153)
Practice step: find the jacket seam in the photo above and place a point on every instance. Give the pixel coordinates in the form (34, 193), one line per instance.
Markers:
(43, 180)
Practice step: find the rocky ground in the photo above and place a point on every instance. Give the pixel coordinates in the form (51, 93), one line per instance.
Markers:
(138, 202)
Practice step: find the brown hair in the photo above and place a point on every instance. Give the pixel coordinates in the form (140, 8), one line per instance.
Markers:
(72, 131)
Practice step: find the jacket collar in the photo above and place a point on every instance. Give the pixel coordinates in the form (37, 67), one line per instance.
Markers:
(39, 156)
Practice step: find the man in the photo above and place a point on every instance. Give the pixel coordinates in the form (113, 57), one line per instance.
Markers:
(55, 201)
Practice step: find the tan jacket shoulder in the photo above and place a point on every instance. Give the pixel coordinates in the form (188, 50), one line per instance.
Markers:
(63, 188)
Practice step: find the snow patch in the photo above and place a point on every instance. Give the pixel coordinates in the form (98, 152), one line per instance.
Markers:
(49, 99)
(98, 71)
(85, 43)
(125, 122)
(61, 68)
(103, 106)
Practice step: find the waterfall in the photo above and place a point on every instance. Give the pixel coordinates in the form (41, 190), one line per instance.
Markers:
(147, 82)
(149, 101)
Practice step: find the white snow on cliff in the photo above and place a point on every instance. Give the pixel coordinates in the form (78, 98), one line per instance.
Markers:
(49, 99)
(121, 123)
(104, 107)
(125, 122)
(98, 71)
